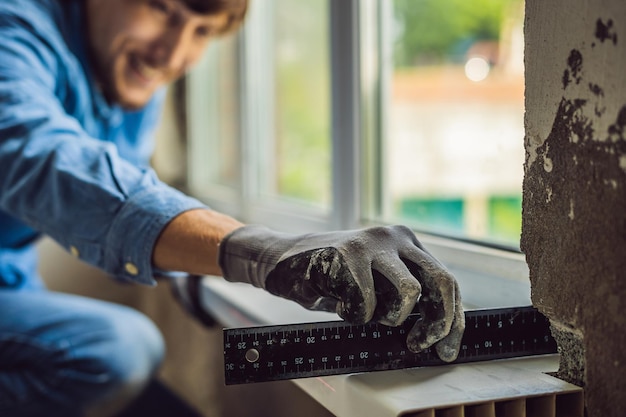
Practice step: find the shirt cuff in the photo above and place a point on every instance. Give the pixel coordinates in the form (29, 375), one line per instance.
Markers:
(133, 234)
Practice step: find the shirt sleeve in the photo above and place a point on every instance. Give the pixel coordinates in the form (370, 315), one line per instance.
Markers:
(64, 183)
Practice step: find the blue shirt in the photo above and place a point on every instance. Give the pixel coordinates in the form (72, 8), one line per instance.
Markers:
(72, 166)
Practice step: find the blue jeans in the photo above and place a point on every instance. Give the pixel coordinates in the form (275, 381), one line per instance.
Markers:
(62, 355)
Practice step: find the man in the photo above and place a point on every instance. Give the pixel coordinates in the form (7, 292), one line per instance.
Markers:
(81, 83)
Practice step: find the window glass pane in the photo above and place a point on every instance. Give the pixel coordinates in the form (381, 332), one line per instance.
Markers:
(454, 139)
(302, 148)
(227, 172)
(214, 118)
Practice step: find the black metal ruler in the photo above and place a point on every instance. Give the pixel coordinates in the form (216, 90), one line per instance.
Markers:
(271, 353)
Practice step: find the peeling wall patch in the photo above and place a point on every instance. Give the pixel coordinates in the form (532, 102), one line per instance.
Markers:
(547, 164)
(612, 183)
(603, 31)
(616, 130)
(574, 68)
(596, 89)
(575, 97)
(622, 162)
(548, 194)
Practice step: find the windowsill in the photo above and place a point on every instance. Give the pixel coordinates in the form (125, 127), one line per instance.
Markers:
(394, 393)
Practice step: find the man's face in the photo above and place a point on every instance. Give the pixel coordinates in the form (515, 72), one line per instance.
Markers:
(138, 46)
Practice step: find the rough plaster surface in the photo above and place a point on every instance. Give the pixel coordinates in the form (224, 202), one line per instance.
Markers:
(574, 208)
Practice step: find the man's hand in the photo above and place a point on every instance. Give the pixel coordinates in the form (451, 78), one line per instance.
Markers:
(376, 274)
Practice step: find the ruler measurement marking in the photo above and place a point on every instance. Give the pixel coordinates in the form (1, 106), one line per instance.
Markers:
(501, 334)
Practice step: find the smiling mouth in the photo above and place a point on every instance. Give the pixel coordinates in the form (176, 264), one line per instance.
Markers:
(145, 73)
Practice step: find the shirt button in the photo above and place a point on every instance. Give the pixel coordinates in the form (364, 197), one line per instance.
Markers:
(74, 251)
(131, 268)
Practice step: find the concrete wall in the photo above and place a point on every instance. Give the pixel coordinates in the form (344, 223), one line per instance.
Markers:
(574, 207)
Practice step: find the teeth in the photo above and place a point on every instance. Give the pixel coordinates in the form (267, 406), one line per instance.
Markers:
(145, 70)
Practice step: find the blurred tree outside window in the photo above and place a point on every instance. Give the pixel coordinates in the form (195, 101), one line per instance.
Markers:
(302, 166)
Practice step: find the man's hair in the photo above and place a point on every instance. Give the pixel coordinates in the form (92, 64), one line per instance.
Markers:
(236, 10)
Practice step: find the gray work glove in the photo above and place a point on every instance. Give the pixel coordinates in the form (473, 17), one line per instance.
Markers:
(373, 274)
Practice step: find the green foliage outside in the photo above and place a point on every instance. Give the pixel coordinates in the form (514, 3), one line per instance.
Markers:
(304, 152)
(303, 101)
(430, 31)
(505, 218)
(446, 215)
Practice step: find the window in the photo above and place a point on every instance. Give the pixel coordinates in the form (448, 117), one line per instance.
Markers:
(453, 108)
(336, 114)
(214, 151)
(271, 145)
(298, 166)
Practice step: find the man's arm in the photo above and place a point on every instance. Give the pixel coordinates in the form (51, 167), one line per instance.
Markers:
(56, 176)
(190, 242)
